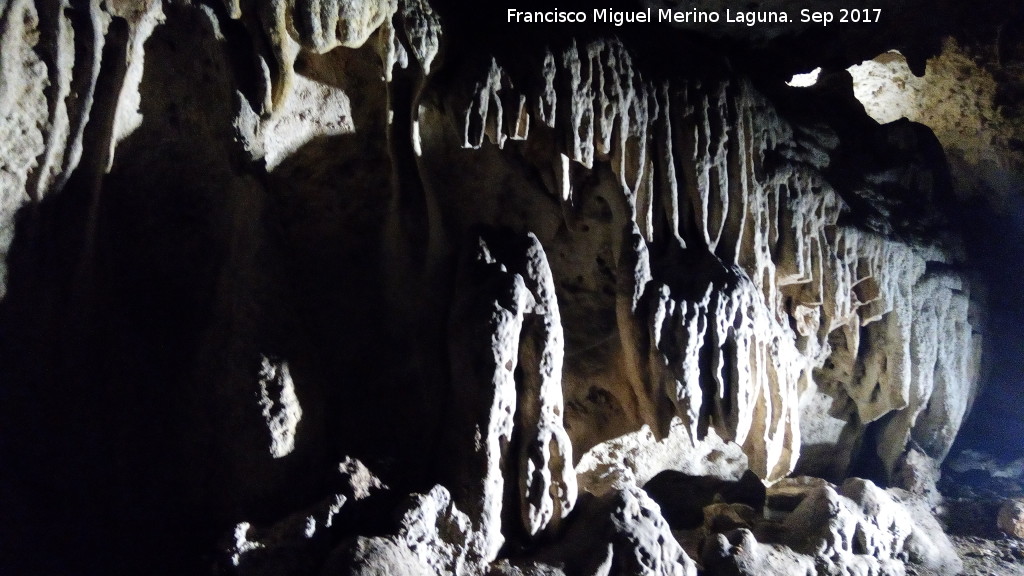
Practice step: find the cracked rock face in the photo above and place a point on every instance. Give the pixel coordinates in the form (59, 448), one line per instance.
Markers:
(504, 287)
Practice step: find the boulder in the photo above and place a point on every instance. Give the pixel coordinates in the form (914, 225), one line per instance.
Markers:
(1011, 517)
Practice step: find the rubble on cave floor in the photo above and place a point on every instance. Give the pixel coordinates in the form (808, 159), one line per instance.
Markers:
(975, 486)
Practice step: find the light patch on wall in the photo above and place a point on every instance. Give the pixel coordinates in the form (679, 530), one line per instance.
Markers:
(360, 479)
(804, 80)
(127, 118)
(957, 99)
(281, 409)
(312, 110)
(886, 87)
(242, 544)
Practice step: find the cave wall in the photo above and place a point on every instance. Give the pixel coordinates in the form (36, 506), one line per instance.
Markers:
(245, 242)
(969, 95)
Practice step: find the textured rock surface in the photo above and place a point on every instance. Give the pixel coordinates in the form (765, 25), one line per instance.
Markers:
(1011, 518)
(509, 322)
(622, 532)
(962, 100)
(433, 537)
(682, 498)
(856, 529)
(301, 541)
(504, 280)
(969, 95)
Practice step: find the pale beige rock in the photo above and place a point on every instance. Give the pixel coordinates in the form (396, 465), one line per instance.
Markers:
(301, 540)
(1011, 517)
(643, 542)
(684, 289)
(739, 552)
(800, 313)
(48, 72)
(779, 326)
(484, 360)
(957, 99)
(786, 494)
(431, 541)
(855, 529)
(508, 294)
(434, 538)
(865, 525)
(143, 17)
(547, 481)
(44, 117)
(23, 79)
(622, 532)
(279, 405)
(312, 110)
(317, 26)
(321, 25)
(634, 458)
(377, 557)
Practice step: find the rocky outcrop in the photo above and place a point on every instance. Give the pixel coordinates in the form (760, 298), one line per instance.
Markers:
(1011, 518)
(858, 528)
(517, 283)
(300, 542)
(962, 100)
(682, 498)
(508, 322)
(785, 292)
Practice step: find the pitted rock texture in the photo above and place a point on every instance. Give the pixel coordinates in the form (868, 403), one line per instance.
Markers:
(1011, 517)
(784, 291)
(854, 529)
(969, 95)
(301, 541)
(508, 323)
(505, 287)
(963, 101)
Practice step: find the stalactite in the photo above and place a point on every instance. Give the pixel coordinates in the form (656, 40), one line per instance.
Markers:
(796, 275)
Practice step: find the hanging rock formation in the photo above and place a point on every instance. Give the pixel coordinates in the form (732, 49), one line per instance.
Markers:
(506, 282)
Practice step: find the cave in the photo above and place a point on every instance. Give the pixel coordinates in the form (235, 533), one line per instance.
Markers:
(443, 287)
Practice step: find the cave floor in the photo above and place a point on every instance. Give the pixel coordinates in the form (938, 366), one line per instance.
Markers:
(971, 507)
(984, 549)
(982, 556)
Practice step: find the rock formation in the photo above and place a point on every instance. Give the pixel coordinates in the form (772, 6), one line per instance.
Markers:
(504, 277)
(1010, 517)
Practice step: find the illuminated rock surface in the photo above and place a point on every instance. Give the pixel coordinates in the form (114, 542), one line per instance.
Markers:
(505, 282)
